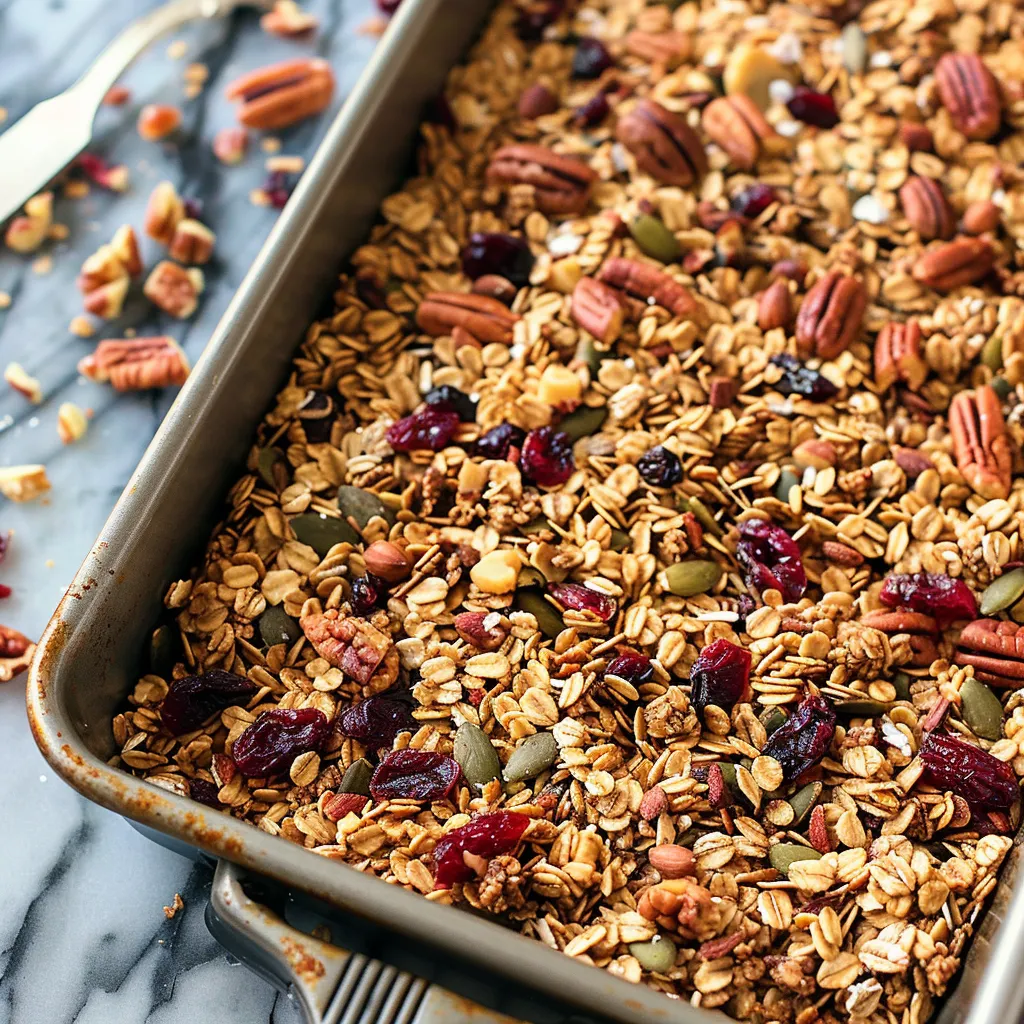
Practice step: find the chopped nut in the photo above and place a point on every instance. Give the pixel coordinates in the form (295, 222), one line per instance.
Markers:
(287, 19)
(102, 267)
(230, 144)
(18, 379)
(285, 164)
(117, 96)
(175, 290)
(107, 301)
(81, 327)
(163, 212)
(23, 483)
(137, 363)
(192, 242)
(157, 121)
(26, 233)
(72, 423)
(558, 385)
(497, 572)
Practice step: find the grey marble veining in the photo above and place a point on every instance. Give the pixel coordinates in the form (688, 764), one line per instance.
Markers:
(83, 936)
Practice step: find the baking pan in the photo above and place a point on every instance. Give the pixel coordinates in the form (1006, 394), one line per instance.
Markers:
(88, 658)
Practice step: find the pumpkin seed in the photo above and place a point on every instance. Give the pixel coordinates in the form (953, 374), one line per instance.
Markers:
(654, 238)
(591, 355)
(266, 461)
(982, 709)
(783, 855)
(549, 621)
(476, 754)
(992, 353)
(901, 681)
(1003, 592)
(803, 800)
(703, 516)
(586, 420)
(357, 778)
(773, 720)
(362, 505)
(787, 480)
(1017, 613)
(538, 525)
(322, 532)
(534, 755)
(1002, 387)
(620, 540)
(161, 652)
(278, 627)
(855, 48)
(861, 708)
(687, 579)
(728, 775)
(530, 576)
(657, 956)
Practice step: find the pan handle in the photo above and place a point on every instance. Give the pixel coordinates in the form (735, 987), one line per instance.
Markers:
(330, 984)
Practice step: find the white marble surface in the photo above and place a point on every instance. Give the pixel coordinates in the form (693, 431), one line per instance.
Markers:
(83, 936)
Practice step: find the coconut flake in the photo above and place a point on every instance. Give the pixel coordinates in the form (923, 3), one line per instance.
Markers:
(565, 245)
(789, 128)
(869, 208)
(787, 48)
(895, 738)
(780, 90)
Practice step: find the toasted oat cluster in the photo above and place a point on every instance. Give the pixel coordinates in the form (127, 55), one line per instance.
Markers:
(636, 551)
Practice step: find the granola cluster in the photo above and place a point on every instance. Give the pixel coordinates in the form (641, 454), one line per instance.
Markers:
(636, 550)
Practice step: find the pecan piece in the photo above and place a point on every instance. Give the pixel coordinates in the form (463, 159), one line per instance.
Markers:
(830, 316)
(486, 319)
(485, 630)
(980, 442)
(597, 309)
(962, 261)
(737, 125)
(16, 652)
(664, 145)
(922, 629)
(173, 289)
(281, 94)
(648, 284)
(970, 93)
(666, 49)
(351, 644)
(925, 206)
(774, 308)
(995, 649)
(683, 905)
(134, 364)
(561, 184)
(898, 356)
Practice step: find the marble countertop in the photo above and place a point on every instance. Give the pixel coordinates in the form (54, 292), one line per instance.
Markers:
(83, 936)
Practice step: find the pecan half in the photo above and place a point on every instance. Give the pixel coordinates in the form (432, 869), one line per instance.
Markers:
(898, 356)
(925, 206)
(737, 125)
(597, 309)
(774, 308)
(830, 316)
(666, 49)
(134, 364)
(648, 284)
(995, 649)
(980, 442)
(962, 261)
(970, 94)
(664, 145)
(281, 94)
(561, 184)
(487, 319)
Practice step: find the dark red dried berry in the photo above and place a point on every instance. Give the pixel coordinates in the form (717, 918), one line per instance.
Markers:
(367, 592)
(771, 559)
(448, 397)
(931, 593)
(414, 775)
(982, 780)
(5, 591)
(278, 187)
(814, 108)
(487, 836)
(546, 457)
(388, 7)
(499, 440)
(376, 721)
(593, 112)
(489, 252)
(203, 791)
(804, 738)
(193, 206)
(276, 738)
(591, 58)
(801, 380)
(583, 599)
(660, 467)
(425, 428)
(753, 200)
(5, 540)
(720, 676)
(191, 701)
(536, 16)
(634, 667)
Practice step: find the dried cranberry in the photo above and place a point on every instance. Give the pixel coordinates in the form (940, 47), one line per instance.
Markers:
(720, 676)
(278, 187)
(448, 397)
(801, 380)
(803, 739)
(753, 200)
(583, 599)
(5, 540)
(191, 701)
(931, 593)
(5, 591)
(487, 836)
(414, 775)
(546, 457)
(593, 112)
(388, 7)
(277, 737)
(367, 591)
(660, 467)
(536, 16)
(814, 108)
(193, 206)
(591, 58)
(968, 771)
(425, 428)
(490, 252)
(205, 792)
(497, 442)
(376, 721)
(634, 667)
(771, 559)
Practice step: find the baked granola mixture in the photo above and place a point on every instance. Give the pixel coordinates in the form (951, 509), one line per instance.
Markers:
(636, 551)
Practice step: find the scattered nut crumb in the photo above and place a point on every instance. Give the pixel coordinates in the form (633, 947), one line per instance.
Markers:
(287, 19)
(23, 483)
(177, 49)
(72, 423)
(259, 197)
(42, 265)
(197, 73)
(230, 144)
(3, 114)
(58, 232)
(178, 904)
(117, 96)
(22, 382)
(374, 26)
(270, 144)
(5, 300)
(81, 327)
(76, 189)
(286, 164)
(157, 121)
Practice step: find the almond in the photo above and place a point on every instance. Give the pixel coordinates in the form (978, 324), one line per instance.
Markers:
(388, 561)
(671, 861)
(654, 803)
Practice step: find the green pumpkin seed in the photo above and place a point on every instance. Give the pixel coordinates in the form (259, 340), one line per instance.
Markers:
(538, 525)
(161, 652)
(476, 754)
(703, 516)
(357, 777)
(278, 627)
(657, 956)
(620, 541)
(548, 619)
(1002, 387)
(586, 420)
(902, 683)
(784, 855)
(728, 775)
(855, 48)
(1000, 594)
(992, 353)
(362, 505)
(687, 579)
(531, 577)
(861, 708)
(773, 720)
(266, 462)
(534, 755)
(803, 800)
(787, 480)
(590, 354)
(322, 532)
(654, 238)
(982, 710)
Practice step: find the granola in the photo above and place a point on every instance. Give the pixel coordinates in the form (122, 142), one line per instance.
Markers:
(604, 560)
